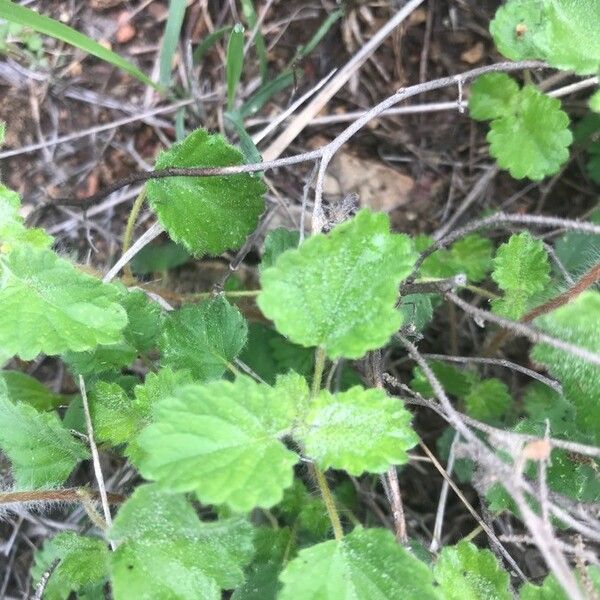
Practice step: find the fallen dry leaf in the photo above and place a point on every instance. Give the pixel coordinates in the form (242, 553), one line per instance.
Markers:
(473, 55)
(537, 450)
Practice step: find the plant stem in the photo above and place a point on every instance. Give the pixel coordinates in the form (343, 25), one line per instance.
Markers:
(232, 294)
(338, 532)
(318, 375)
(319, 476)
(133, 215)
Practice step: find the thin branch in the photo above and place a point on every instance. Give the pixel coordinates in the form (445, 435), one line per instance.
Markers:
(531, 333)
(501, 362)
(95, 456)
(328, 150)
(71, 495)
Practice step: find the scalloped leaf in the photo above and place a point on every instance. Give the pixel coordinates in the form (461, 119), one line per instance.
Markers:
(203, 338)
(564, 33)
(465, 572)
(84, 563)
(206, 214)
(533, 141)
(493, 95)
(488, 400)
(358, 430)
(221, 441)
(521, 270)
(577, 322)
(48, 306)
(12, 228)
(165, 551)
(339, 290)
(41, 450)
(367, 564)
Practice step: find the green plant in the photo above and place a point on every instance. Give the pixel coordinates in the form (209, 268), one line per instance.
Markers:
(244, 437)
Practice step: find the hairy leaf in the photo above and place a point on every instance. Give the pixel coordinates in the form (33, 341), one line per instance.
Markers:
(358, 430)
(488, 400)
(159, 258)
(221, 440)
(552, 590)
(165, 551)
(338, 291)
(48, 306)
(563, 33)
(367, 564)
(454, 381)
(203, 338)
(466, 573)
(277, 242)
(527, 144)
(522, 270)
(83, 563)
(41, 451)
(493, 95)
(206, 214)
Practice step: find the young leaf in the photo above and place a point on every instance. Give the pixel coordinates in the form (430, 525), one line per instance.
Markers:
(367, 564)
(277, 242)
(14, 13)
(143, 319)
(358, 430)
(48, 306)
(165, 551)
(488, 400)
(527, 145)
(338, 291)
(563, 33)
(203, 338)
(21, 387)
(577, 322)
(221, 440)
(464, 572)
(473, 256)
(521, 269)
(235, 62)
(83, 564)
(12, 228)
(206, 214)
(115, 417)
(493, 95)
(41, 451)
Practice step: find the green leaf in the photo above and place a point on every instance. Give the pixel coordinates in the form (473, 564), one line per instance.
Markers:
(454, 381)
(268, 353)
(521, 270)
(21, 387)
(48, 306)
(561, 32)
(339, 290)
(12, 228)
(358, 430)
(541, 402)
(304, 512)
(165, 551)
(41, 451)
(493, 95)
(203, 338)
(262, 578)
(170, 40)
(577, 322)
(25, 16)
(221, 440)
(552, 590)
(578, 252)
(594, 101)
(417, 310)
(100, 360)
(208, 42)
(488, 401)
(473, 255)
(159, 258)
(115, 417)
(367, 564)
(235, 62)
(464, 572)
(206, 214)
(259, 41)
(528, 145)
(277, 242)
(2, 132)
(83, 563)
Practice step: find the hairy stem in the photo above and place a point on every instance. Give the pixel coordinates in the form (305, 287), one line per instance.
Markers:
(127, 236)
